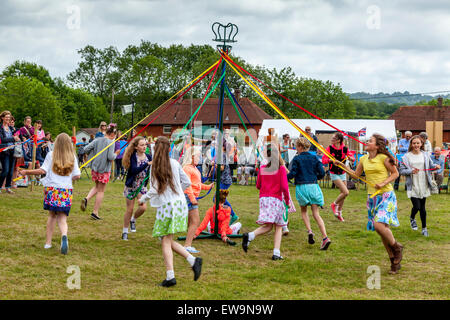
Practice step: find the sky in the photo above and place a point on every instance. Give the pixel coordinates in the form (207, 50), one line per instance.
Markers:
(371, 46)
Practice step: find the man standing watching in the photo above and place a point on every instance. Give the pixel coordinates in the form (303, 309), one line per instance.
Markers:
(438, 159)
(403, 146)
(313, 148)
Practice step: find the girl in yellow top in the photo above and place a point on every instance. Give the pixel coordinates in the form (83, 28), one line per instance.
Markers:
(379, 167)
(190, 162)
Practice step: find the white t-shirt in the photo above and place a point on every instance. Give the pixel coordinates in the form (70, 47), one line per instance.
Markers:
(54, 180)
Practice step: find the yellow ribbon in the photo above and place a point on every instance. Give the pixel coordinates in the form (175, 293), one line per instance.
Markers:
(271, 104)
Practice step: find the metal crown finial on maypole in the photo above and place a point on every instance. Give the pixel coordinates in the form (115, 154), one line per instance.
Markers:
(225, 34)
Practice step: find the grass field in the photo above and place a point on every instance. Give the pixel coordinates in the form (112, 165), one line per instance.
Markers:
(115, 269)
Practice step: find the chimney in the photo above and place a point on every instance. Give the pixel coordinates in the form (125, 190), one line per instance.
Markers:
(237, 94)
(439, 102)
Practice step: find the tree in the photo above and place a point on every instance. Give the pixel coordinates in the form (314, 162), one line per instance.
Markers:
(30, 70)
(98, 71)
(25, 96)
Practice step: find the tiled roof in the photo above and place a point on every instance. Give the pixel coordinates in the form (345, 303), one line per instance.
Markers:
(89, 131)
(415, 117)
(180, 112)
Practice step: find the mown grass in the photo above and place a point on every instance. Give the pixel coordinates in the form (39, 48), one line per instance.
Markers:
(116, 269)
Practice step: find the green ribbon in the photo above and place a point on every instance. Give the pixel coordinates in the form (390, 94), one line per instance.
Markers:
(286, 214)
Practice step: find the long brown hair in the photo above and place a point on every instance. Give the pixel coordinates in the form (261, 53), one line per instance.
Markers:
(63, 155)
(422, 147)
(129, 151)
(161, 168)
(381, 143)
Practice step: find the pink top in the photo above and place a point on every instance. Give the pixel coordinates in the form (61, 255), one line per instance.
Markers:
(273, 184)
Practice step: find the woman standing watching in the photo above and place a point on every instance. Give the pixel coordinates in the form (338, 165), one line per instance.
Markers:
(7, 139)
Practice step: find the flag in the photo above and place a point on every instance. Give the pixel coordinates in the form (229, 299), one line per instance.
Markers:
(362, 132)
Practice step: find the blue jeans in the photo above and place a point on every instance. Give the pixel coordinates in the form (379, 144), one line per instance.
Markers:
(7, 160)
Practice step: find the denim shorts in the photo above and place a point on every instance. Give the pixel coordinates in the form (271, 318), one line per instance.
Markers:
(342, 177)
(189, 203)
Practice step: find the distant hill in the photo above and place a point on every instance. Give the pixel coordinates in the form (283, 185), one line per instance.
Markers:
(405, 98)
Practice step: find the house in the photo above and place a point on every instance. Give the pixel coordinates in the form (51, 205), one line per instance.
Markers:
(176, 116)
(86, 133)
(421, 118)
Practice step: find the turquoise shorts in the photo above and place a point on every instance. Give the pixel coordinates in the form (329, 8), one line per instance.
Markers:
(308, 194)
(342, 177)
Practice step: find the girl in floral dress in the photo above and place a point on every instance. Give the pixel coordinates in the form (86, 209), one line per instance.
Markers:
(60, 167)
(138, 163)
(273, 186)
(166, 193)
(380, 169)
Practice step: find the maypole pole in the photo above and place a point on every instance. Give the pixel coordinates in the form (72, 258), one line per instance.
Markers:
(225, 35)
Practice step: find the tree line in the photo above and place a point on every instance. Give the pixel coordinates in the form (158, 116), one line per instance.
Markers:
(149, 74)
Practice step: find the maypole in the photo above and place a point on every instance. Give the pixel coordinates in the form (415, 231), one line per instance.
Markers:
(225, 35)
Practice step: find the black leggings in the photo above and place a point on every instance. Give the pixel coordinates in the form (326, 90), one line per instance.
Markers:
(419, 205)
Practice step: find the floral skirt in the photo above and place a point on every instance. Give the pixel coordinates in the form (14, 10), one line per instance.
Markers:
(272, 211)
(100, 177)
(383, 209)
(171, 218)
(58, 199)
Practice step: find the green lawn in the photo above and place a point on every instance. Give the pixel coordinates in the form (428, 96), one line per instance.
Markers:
(115, 269)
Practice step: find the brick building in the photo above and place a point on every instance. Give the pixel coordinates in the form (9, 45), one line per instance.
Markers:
(415, 118)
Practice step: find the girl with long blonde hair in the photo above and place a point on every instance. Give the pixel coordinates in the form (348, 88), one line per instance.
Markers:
(166, 193)
(61, 168)
(138, 163)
